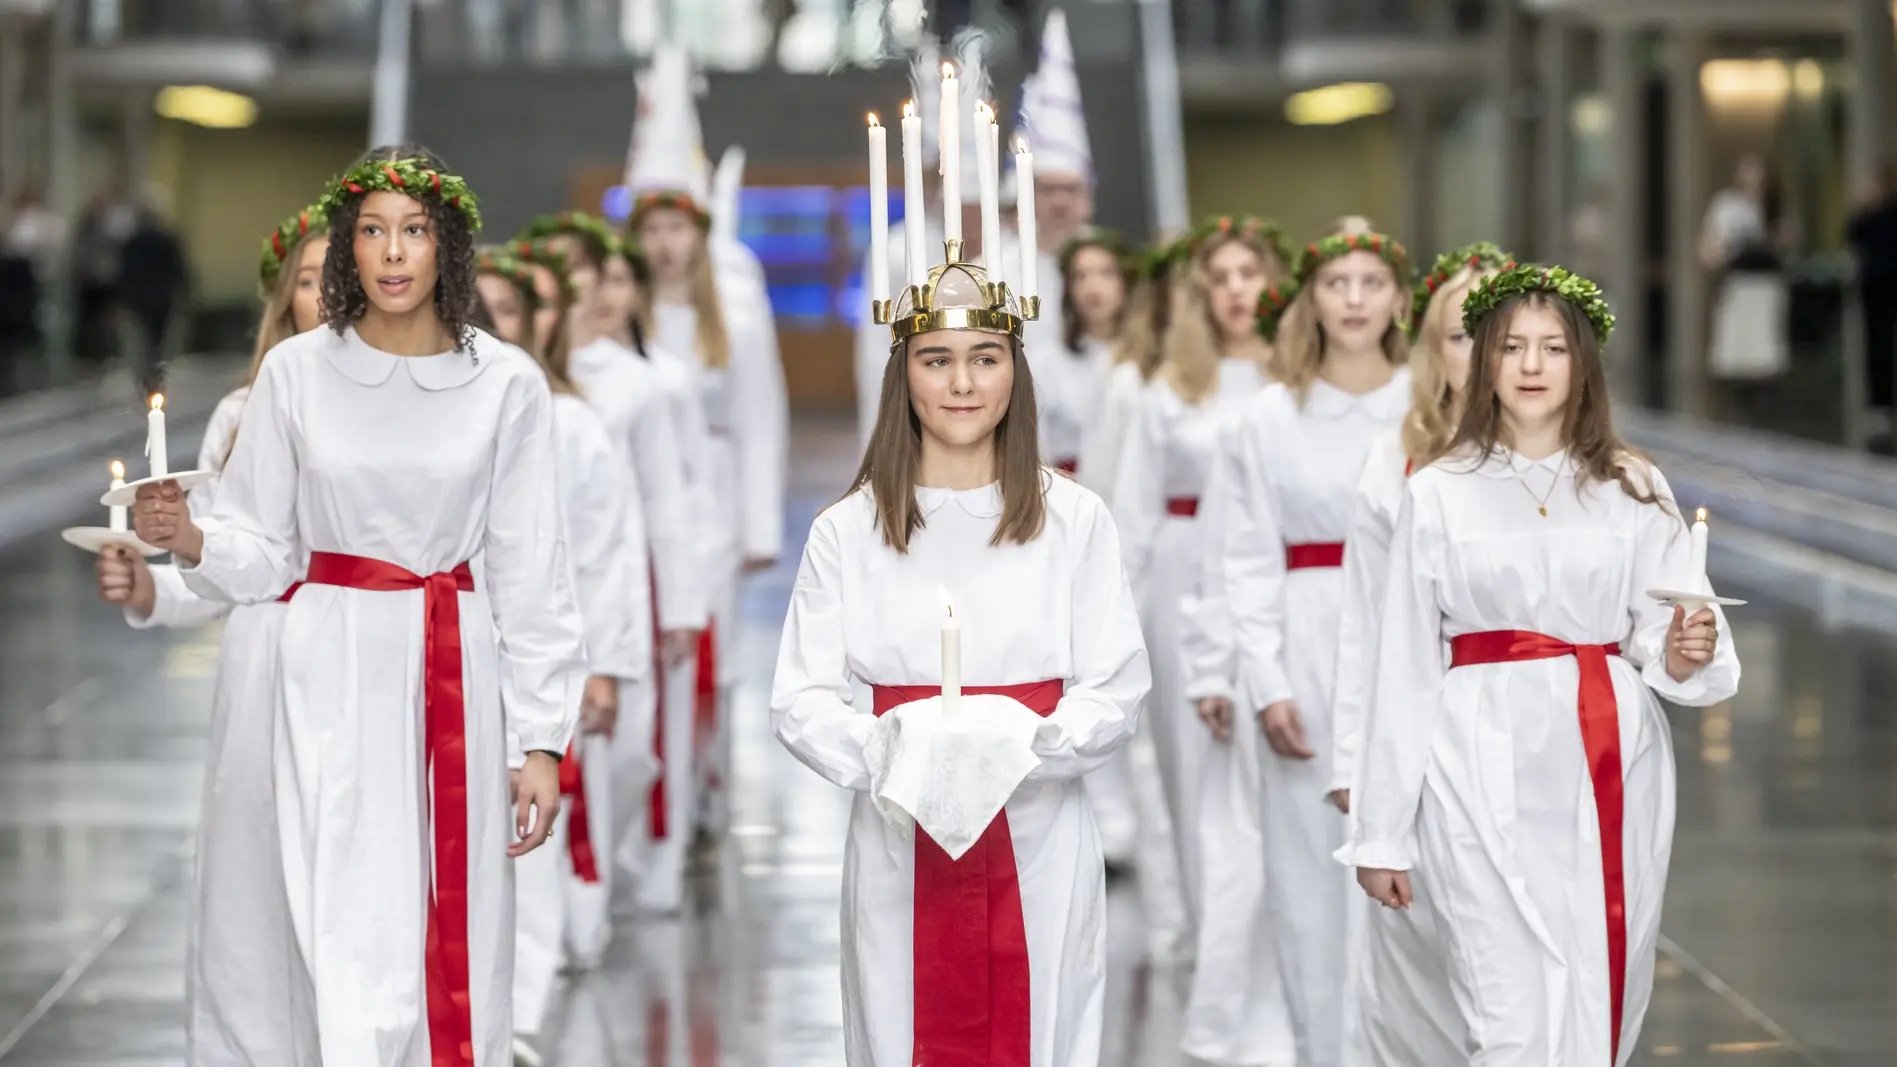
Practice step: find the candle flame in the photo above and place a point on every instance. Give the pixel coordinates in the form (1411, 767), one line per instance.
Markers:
(1020, 144)
(908, 109)
(1701, 517)
(872, 119)
(947, 604)
(118, 470)
(157, 401)
(984, 113)
(948, 70)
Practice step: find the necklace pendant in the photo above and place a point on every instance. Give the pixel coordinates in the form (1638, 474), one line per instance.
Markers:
(1544, 512)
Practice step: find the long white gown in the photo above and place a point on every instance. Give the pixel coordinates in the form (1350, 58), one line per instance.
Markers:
(246, 1001)
(1056, 610)
(570, 879)
(423, 464)
(1397, 1004)
(1072, 383)
(1498, 779)
(1104, 441)
(1293, 490)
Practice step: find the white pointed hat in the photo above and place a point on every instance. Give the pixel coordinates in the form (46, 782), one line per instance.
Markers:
(668, 149)
(727, 183)
(1051, 110)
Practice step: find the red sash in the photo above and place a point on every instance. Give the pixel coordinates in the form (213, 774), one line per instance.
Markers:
(444, 725)
(1600, 736)
(1184, 507)
(705, 714)
(655, 805)
(1069, 466)
(289, 593)
(971, 982)
(579, 831)
(1314, 555)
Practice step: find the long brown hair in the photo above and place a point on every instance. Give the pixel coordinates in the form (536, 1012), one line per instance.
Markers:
(1298, 354)
(559, 350)
(1191, 349)
(1587, 424)
(1431, 421)
(1071, 328)
(1148, 312)
(890, 462)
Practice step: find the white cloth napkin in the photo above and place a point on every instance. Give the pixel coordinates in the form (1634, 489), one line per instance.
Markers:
(950, 774)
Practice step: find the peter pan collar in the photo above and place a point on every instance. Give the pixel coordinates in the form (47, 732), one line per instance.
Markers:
(1388, 401)
(1508, 463)
(356, 360)
(983, 503)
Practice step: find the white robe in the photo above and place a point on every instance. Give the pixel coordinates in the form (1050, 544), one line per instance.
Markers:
(246, 1001)
(1058, 607)
(1071, 384)
(569, 917)
(1294, 478)
(1478, 776)
(1103, 442)
(1397, 1004)
(423, 463)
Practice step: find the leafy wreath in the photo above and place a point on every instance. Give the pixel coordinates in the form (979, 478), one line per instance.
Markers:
(1157, 261)
(1265, 231)
(1557, 281)
(577, 223)
(1325, 249)
(506, 267)
(283, 239)
(542, 253)
(1099, 237)
(1271, 307)
(1480, 256)
(677, 201)
(407, 176)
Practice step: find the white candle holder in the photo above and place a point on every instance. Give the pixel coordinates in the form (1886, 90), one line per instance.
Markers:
(125, 494)
(1692, 602)
(96, 539)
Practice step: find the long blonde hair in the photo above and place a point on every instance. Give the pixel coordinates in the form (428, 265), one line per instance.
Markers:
(1299, 353)
(1434, 408)
(714, 342)
(1191, 349)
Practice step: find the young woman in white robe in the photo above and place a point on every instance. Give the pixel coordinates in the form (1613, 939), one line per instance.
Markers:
(405, 466)
(998, 957)
(1397, 1000)
(244, 1001)
(1528, 773)
(1134, 358)
(1297, 454)
(746, 413)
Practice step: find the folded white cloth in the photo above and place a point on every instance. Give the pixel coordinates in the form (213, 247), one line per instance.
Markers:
(950, 773)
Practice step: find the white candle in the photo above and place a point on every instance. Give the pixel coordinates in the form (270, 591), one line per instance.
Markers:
(951, 154)
(1698, 569)
(155, 438)
(951, 658)
(118, 521)
(1029, 283)
(878, 211)
(915, 224)
(988, 172)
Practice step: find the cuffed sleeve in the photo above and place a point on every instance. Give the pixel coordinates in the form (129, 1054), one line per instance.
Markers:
(250, 551)
(1253, 552)
(1664, 561)
(174, 605)
(811, 713)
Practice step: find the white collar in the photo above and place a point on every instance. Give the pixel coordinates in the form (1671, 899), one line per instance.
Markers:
(1387, 401)
(1505, 462)
(363, 364)
(982, 503)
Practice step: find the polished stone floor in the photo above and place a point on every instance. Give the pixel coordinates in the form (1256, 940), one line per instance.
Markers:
(1782, 918)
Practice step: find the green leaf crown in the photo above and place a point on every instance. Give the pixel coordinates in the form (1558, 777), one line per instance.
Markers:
(283, 240)
(1130, 262)
(1337, 245)
(542, 253)
(502, 265)
(1265, 231)
(1555, 281)
(410, 177)
(575, 223)
(677, 201)
(1271, 308)
(1480, 256)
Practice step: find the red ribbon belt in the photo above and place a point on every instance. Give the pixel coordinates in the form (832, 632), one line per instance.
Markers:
(579, 832)
(1067, 466)
(1314, 555)
(971, 989)
(444, 713)
(655, 806)
(289, 593)
(1600, 736)
(1184, 507)
(705, 714)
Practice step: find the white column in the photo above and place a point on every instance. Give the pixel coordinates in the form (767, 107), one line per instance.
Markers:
(1554, 158)
(1165, 126)
(1624, 81)
(1507, 63)
(1687, 290)
(1869, 47)
(388, 114)
(13, 30)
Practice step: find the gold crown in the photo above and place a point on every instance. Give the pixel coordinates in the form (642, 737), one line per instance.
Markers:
(956, 296)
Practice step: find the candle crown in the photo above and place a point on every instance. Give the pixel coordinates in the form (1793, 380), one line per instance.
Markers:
(958, 295)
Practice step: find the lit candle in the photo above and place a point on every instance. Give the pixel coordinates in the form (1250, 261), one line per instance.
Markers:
(878, 211)
(118, 522)
(915, 224)
(988, 172)
(155, 438)
(951, 154)
(951, 658)
(1028, 284)
(1698, 571)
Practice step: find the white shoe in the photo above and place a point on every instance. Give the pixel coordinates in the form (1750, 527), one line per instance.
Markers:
(524, 1053)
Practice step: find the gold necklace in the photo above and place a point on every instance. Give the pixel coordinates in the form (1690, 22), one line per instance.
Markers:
(1541, 502)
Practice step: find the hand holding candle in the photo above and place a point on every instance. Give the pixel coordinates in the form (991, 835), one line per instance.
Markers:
(951, 658)
(155, 438)
(878, 212)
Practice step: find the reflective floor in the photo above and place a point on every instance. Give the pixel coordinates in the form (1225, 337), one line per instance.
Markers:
(1782, 917)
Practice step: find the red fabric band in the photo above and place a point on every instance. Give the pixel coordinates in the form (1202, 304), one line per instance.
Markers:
(1067, 466)
(444, 715)
(1600, 736)
(655, 802)
(1184, 507)
(579, 832)
(1313, 556)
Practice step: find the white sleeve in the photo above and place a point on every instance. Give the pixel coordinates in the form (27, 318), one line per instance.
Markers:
(610, 584)
(669, 515)
(1252, 555)
(175, 606)
(1205, 638)
(1101, 439)
(1664, 561)
(811, 711)
(1366, 565)
(761, 427)
(1405, 696)
(530, 581)
(1101, 708)
(1139, 488)
(694, 439)
(250, 551)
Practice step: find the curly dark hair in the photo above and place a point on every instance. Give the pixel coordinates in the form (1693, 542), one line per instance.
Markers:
(457, 298)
